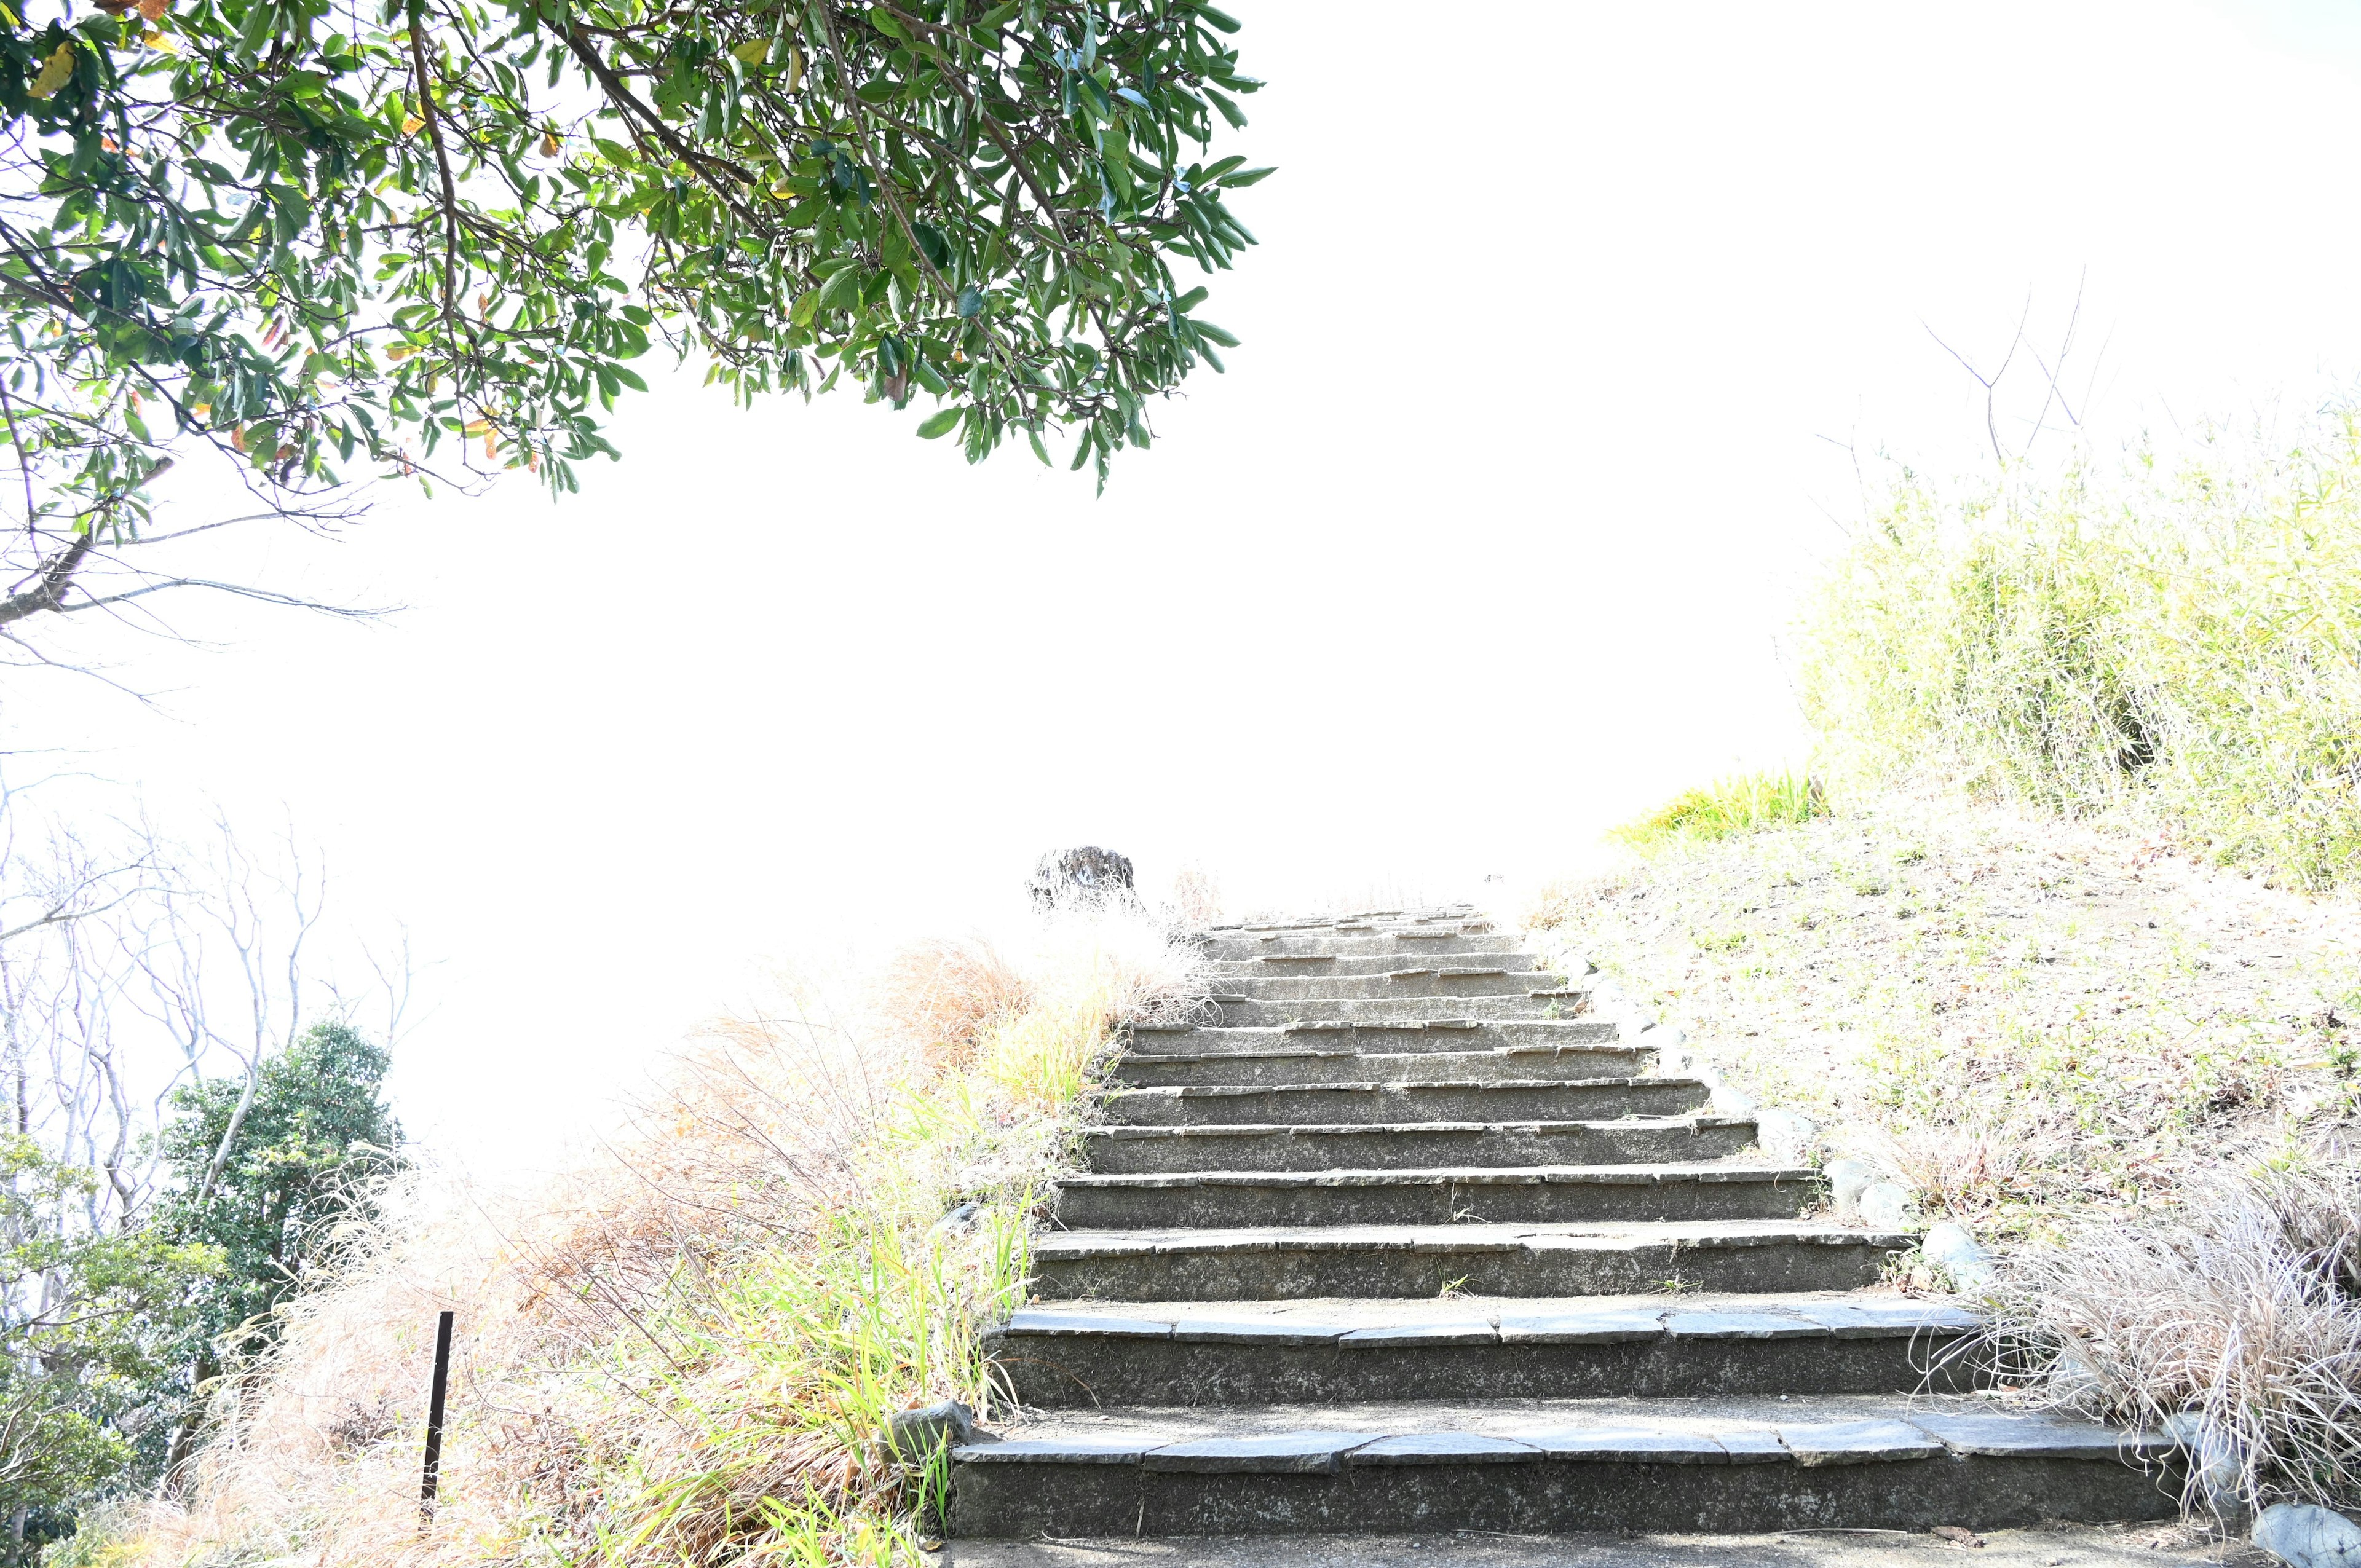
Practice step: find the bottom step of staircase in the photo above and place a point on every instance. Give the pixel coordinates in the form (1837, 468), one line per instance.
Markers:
(1703, 1465)
(2049, 1546)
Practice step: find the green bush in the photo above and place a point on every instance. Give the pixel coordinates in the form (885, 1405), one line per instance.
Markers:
(1747, 803)
(2178, 643)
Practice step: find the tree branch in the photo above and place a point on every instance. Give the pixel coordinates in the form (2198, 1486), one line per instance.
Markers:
(49, 592)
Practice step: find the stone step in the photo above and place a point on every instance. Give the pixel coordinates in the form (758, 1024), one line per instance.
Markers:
(1397, 1104)
(1309, 967)
(1145, 1151)
(1668, 1465)
(1275, 1263)
(1429, 941)
(2118, 1545)
(1285, 982)
(1362, 920)
(1161, 1040)
(1314, 1065)
(1527, 1003)
(1566, 1194)
(1587, 1347)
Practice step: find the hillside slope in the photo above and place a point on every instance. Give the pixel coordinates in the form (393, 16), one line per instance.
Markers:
(2023, 1018)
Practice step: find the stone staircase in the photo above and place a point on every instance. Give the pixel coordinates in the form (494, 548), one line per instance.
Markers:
(1406, 1238)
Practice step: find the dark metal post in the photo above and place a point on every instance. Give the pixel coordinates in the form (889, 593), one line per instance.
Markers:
(433, 1475)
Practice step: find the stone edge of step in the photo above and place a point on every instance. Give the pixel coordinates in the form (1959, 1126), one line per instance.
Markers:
(1463, 1176)
(1084, 1246)
(1605, 1325)
(1339, 1129)
(1903, 1435)
(1405, 1086)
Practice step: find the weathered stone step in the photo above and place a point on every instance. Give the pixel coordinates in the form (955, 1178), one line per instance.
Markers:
(1671, 1465)
(1369, 920)
(2118, 1545)
(1564, 1194)
(1159, 1040)
(1141, 1151)
(1527, 1003)
(1255, 1352)
(1282, 984)
(1310, 967)
(1379, 944)
(1396, 1105)
(1312, 1065)
(1289, 1264)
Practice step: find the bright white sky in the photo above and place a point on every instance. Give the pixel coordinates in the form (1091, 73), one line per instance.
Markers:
(1489, 538)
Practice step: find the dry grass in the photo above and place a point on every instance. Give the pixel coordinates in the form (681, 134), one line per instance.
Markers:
(949, 993)
(680, 1353)
(2238, 1316)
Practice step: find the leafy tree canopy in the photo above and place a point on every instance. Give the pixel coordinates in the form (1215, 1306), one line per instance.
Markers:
(336, 238)
(265, 1166)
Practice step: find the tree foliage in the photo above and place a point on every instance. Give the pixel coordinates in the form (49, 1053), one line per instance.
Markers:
(261, 1177)
(93, 1323)
(335, 240)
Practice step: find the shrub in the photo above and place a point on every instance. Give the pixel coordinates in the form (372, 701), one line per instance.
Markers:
(1748, 803)
(2179, 641)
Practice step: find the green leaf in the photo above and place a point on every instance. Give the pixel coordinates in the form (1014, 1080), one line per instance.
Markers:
(1220, 19)
(1217, 333)
(1247, 177)
(941, 422)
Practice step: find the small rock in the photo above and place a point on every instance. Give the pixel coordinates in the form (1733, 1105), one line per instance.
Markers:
(1847, 1179)
(961, 1217)
(2219, 1470)
(1956, 1251)
(1887, 1206)
(1953, 1532)
(1786, 1136)
(914, 1436)
(2302, 1536)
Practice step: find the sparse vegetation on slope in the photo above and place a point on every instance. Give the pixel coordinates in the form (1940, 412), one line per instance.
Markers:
(682, 1352)
(2023, 1017)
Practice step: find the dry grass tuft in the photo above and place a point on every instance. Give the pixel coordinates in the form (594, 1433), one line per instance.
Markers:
(2238, 1315)
(947, 994)
(680, 1353)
